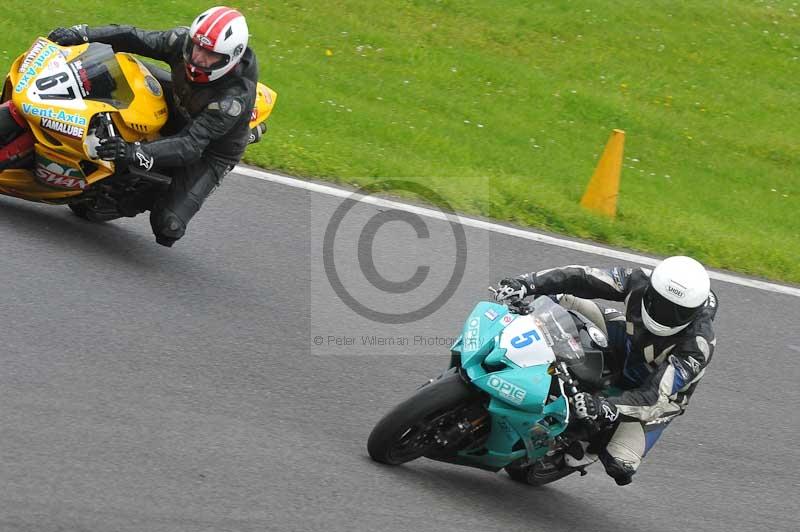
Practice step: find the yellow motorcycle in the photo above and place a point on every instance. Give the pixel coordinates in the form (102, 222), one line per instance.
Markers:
(58, 102)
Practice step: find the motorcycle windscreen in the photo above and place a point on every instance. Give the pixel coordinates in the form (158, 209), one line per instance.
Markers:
(93, 75)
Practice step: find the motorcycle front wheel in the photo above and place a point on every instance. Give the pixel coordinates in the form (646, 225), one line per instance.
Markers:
(408, 431)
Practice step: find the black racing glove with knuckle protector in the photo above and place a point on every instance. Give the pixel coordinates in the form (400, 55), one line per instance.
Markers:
(127, 153)
(511, 289)
(69, 36)
(594, 408)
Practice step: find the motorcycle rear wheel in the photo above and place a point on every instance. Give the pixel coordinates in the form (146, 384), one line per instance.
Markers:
(81, 210)
(538, 474)
(406, 432)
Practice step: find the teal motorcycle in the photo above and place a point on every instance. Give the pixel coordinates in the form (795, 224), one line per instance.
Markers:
(504, 402)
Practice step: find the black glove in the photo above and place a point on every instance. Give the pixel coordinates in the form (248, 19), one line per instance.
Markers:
(127, 153)
(594, 408)
(69, 36)
(512, 289)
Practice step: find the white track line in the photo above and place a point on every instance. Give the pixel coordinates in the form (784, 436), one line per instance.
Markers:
(502, 229)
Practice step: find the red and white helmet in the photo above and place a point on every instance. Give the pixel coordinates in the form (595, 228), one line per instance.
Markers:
(220, 32)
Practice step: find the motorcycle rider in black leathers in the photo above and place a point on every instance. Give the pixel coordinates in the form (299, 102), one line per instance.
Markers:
(661, 344)
(210, 93)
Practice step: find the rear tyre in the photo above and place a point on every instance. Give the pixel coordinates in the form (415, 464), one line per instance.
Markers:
(518, 474)
(81, 210)
(540, 472)
(407, 432)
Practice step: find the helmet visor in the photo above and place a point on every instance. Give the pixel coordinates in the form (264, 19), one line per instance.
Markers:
(665, 312)
(202, 58)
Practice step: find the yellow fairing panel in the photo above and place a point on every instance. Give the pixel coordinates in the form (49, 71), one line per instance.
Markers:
(54, 178)
(265, 101)
(47, 93)
(147, 114)
(59, 90)
(59, 96)
(21, 184)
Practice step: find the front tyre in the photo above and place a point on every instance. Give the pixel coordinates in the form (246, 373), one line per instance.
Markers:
(408, 431)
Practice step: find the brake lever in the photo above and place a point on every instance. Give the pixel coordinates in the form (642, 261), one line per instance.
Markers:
(521, 307)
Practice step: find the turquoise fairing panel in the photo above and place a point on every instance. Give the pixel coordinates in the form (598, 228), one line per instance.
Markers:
(480, 334)
(523, 388)
(510, 427)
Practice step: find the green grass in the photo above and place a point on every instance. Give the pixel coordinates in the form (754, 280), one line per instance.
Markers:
(503, 106)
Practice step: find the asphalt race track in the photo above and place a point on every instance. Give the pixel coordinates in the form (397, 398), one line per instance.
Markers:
(223, 385)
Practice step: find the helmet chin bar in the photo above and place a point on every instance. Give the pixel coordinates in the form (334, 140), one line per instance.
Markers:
(656, 328)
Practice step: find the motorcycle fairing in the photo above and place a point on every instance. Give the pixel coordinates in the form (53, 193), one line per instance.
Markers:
(59, 90)
(524, 417)
(488, 352)
(265, 102)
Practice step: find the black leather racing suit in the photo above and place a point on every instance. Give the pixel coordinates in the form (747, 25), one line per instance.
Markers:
(208, 128)
(658, 374)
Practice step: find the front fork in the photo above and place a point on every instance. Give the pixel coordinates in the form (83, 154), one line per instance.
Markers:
(586, 429)
(455, 434)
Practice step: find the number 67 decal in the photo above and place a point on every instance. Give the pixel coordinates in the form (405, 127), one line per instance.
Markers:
(525, 339)
(49, 82)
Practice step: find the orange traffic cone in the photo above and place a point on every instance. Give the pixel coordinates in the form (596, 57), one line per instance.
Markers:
(601, 194)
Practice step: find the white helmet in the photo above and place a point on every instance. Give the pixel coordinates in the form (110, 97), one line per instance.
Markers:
(678, 290)
(221, 31)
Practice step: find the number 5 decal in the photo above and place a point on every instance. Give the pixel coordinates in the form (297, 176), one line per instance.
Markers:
(525, 339)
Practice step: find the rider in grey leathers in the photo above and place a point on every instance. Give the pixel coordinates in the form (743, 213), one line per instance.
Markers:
(662, 343)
